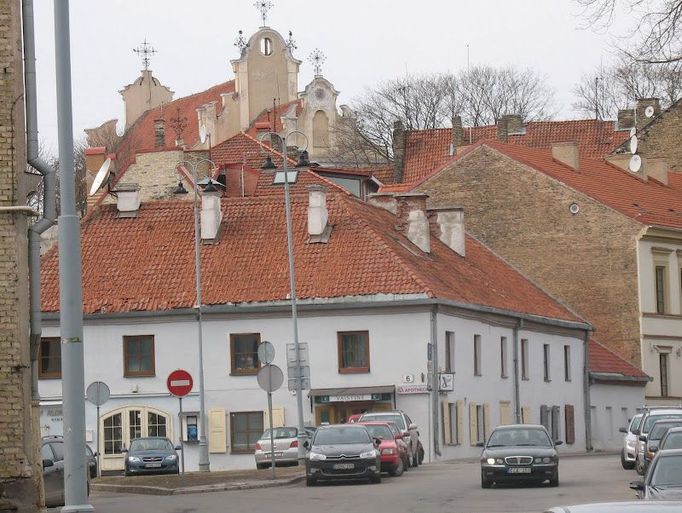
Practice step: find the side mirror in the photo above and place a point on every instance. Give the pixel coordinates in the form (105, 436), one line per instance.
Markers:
(178, 448)
(480, 444)
(412, 426)
(306, 444)
(558, 442)
(398, 436)
(623, 430)
(124, 449)
(95, 453)
(637, 485)
(653, 449)
(642, 438)
(377, 442)
(48, 463)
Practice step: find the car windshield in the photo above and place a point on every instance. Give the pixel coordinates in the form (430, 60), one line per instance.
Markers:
(519, 437)
(379, 432)
(654, 418)
(341, 435)
(673, 441)
(636, 421)
(385, 417)
(668, 472)
(659, 429)
(150, 444)
(281, 432)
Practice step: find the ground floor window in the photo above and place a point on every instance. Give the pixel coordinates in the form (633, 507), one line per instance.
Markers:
(245, 430)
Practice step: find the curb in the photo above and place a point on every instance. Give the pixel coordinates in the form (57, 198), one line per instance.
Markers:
(220, 487)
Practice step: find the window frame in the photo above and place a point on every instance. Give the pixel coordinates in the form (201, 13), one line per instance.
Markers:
(567, 363)
(233, 431)
(546, 362)
(504, 358)
(450, 352)
(524, 359)
(340, 352)
(477, 356)
(243, 371)
(660, 288)
(42, 374)
(665, 380)
(138, 374)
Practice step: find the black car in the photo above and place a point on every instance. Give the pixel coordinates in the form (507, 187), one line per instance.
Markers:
(519, 452)
(672, 439)
(658, 430)
(663, 481)
(52, 454)
(151, 455)
(343, 451)
(621, 507)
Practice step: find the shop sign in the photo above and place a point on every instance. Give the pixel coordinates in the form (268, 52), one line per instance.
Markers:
(412, 389)
(349, 397)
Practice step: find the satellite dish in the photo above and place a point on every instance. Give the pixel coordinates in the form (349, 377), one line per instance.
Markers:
(633, 131)
(635, 163)
(574, 208)
(633, 144)
(101, 177)
(202, 134)
(649, 111)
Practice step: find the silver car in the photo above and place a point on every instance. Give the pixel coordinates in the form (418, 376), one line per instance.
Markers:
(627, 455)
(286, 446)
(648, 420)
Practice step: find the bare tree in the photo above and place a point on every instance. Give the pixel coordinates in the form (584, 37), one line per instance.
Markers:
(657, 31)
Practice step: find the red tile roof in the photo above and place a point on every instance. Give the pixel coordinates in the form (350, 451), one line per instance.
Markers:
(365, 256)
(245, 148)
(604, 360)
(425, 150)
(263, 121)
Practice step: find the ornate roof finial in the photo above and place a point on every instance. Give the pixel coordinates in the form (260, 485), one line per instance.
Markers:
(317, 58)
(146, 51)
(178, 124)
(291, 43)
(241, 42)
(263, 6)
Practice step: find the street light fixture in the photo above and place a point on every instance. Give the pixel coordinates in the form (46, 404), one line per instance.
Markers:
(204, 463)
(292, 275)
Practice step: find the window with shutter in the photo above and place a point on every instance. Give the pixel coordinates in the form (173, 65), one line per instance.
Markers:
(459, 408)
(473, 424)
(217, 439)
(526, 415)
(544, 417)
(487, 423)
(445, 422)
(570, 423)
(556, 426)
(505, 412)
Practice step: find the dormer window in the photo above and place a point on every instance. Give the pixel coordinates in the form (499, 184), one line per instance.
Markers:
(266, 46)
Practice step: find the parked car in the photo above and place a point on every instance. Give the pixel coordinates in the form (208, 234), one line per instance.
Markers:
(151, 455)
(621, 507)
(52, 454)
(658, 430)
(406, 426)
(627, 455)
(286, 446)
(663, 481)
(394, 458)
(672, 439)
(519, 452)
(354, 418)
(342, 451)
(651, 416)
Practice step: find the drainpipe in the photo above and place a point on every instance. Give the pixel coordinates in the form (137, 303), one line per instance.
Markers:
(517, 397)
(49, 205)
(434, 380)
(586, 392)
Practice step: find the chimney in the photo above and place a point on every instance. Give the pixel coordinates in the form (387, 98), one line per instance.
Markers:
(502, 131)
(642, 105)
(318, 215)
(398, 151)
(385, 200)
(626, 119)
(160, 133)
(457, 134)
(621, 160)
(127, 199)
(448, 225)
(412, 220)
(94, 158)
(567, 153)
(211, 213)
(510, 124)
(656, 168)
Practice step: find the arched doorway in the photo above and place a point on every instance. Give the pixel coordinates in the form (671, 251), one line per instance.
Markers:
(118, 427)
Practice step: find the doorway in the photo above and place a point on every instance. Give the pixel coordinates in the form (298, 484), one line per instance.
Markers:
(338, 413)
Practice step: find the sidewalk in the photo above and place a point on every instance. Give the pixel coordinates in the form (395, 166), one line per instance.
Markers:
(199, 482)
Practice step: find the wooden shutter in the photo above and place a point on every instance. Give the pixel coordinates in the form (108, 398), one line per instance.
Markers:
(526, 415)
(544, 416)
(473, 422)
(556, 426)
(460, 422)
(487, 422)
(445, 422)
(569, 414)
(277, 417)
(505, 412)
(217, 434)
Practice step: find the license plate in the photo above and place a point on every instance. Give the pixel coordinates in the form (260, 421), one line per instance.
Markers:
(344, 466)
(153, 465)
(519, 470)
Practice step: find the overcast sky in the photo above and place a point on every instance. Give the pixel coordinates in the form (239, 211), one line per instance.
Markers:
(365, 41)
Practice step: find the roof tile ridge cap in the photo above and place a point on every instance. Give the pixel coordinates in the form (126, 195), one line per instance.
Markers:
(199, 93)
(616, 355)
(523, 275)
(266, 147)
(378, 238)
(455, 158)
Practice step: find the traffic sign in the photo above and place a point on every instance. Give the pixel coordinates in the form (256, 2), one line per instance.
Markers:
(179, 383)
(266, 352)
(302, 351)
(270, 378)
(98, 393)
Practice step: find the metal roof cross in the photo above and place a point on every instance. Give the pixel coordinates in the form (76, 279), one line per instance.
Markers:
(264, 6)
(317, 58)
(146, 51)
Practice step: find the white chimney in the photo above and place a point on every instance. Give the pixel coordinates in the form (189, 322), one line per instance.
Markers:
(412, 220)
(657, 168)
(385, 200)
(567, 153)
(448, 225)
(127, 199)
(318, 215)
(211, 213)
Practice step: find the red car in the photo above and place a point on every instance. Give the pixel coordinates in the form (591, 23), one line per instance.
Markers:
(393, 449)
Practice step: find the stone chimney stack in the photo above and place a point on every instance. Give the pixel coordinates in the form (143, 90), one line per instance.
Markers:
(509, 124)
(448, 225)
(412, 220)
(211, 213)
(318, 215)
(94, 158)
(642, 104)
(160, 133)
(385, 200)
(457, 134)
(398, 151)
(567, 153)
(626, 119)
(656, 168)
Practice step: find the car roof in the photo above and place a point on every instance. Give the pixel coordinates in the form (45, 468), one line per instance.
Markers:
(663, 411)
(666, 421)
(676, 429)
(354, 425)
(618, 507)
(670, 453)
(374, 423)
(520, 426)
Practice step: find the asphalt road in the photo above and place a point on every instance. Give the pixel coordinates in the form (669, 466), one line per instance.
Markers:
(441, 487)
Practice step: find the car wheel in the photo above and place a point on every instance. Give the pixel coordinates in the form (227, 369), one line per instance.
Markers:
(310, 481)
(415, 459)
(261, 466)
(421, 454)
(554, 480)
(639, 466)
(627, 465)
(398, 469)
(406, 463)
(375, 479)
(485, 482)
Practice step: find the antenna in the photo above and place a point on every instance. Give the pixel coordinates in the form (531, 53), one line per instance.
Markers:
(467, 57)
(649, 111)
(633, 144)
(635, 163)
(596, 97)
(101, 177)
(202, 133)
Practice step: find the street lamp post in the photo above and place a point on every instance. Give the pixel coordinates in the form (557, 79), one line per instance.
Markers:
(292, 283)
(204, 463)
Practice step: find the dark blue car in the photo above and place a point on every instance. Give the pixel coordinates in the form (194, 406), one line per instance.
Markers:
(152, 455)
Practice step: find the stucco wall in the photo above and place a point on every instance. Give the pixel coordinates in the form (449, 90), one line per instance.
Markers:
(623, 401)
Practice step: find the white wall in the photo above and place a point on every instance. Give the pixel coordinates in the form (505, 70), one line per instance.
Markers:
(624, 401)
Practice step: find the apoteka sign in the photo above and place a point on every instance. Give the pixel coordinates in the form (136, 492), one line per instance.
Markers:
(412, 389)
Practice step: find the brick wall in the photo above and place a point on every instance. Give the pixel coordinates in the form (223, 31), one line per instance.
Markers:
(19, 469)
(588, 260)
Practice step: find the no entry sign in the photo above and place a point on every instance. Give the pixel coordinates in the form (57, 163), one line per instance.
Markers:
(179, 383)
